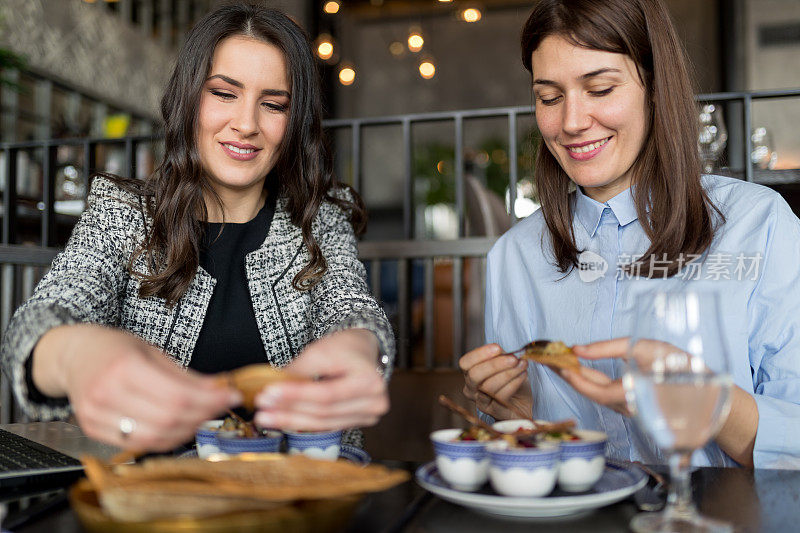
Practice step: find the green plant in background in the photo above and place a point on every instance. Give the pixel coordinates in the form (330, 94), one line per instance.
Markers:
(435, 174)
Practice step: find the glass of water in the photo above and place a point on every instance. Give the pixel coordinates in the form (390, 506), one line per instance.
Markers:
(678, 385)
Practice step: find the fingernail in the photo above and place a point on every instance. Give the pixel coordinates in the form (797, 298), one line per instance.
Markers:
(522, 363)
(268, 398)
(566, 374)
(264, 420)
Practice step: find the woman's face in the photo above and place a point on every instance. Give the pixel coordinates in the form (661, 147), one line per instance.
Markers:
(244, 109)
(592, 112)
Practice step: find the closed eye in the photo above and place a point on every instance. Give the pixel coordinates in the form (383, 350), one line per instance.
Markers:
(602, 92)
(222, 94)
(550, 101)
(272, 106)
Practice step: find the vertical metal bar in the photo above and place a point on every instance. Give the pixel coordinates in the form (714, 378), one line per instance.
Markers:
(403, 314)
(356, 156)
(49, 195)
(458, 309)
(459, 166)
(6, 308)
(10, 198)
(89, 164)
(130, 158)
(747, 102)
(408, 190)
(375, 275)
(513, 171)
(430, 348)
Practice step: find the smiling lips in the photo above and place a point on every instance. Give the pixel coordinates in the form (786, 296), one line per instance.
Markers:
(240, 152)
(585, 151)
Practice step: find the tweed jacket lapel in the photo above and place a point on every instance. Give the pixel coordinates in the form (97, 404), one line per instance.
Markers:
(270, 270)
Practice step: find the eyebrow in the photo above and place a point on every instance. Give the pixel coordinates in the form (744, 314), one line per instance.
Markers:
(586, 76)
(237, 83)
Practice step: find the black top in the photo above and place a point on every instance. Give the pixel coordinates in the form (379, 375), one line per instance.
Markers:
(229, 337)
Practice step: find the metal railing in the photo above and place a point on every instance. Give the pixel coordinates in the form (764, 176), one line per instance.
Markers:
(23, 262)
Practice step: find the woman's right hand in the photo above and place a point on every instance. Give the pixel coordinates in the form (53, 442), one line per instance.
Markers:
(488, 376)
(110, 375)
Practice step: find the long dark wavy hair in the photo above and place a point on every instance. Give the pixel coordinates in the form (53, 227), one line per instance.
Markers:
(675, 212)
(174, 194)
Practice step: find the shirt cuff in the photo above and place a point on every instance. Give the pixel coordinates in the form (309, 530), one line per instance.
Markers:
(777, 442)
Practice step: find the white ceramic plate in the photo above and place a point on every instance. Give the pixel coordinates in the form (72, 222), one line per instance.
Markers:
(618, 482)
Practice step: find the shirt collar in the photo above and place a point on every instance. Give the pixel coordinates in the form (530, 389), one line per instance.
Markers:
(590, 211)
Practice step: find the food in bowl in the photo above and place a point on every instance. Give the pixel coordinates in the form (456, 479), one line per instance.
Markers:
(474, 433)
(233, 442)
(463, 464)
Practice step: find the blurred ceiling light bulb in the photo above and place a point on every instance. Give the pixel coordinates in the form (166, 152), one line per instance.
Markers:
(471, 15)
(427, 69)
(331, 7)
(347, 75)
(415, 41)
(325, 48)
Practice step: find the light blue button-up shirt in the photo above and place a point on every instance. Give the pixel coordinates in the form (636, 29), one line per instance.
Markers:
(753, 265)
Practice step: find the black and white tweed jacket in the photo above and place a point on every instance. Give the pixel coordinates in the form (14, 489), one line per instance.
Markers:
(89, 282)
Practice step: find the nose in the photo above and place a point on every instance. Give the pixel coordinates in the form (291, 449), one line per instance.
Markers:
(577, 115)
(245, 120)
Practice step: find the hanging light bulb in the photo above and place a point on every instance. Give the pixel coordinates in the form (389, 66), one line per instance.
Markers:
(325, 47)
(471, 14)
(427, 69)
(415, 40)
(331, 7)
(347, 75)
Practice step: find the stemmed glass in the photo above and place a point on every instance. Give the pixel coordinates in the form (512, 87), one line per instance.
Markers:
(678, 385)
(712, 137)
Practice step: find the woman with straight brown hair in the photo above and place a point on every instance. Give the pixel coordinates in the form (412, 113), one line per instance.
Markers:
(625, 211)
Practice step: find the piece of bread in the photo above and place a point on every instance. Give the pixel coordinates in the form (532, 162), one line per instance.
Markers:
(251, 379)
(555, 355)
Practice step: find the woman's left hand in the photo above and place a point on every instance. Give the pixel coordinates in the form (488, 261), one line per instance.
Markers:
(348, 391)
(594, 384)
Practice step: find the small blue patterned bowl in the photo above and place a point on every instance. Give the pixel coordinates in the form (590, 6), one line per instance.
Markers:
(205, 438)
(231, 443)
(463, 464)
(316, 444)
(526, 472)
(582, 461)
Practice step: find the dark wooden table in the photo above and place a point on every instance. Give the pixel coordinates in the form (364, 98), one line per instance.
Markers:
(760, 500)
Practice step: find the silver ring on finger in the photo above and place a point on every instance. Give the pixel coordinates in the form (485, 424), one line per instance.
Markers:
(127, 425)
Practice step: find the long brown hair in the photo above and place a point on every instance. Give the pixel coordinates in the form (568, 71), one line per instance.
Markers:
(673, 208)
(302, 173)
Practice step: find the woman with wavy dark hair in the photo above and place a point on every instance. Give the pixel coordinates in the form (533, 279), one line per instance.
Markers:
(626, 211)
(239, 249)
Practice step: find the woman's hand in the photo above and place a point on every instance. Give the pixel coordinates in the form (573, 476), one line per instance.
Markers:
(487, 376)
(348, 391)
(594, 384)
(738, 433)
(111, 376)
